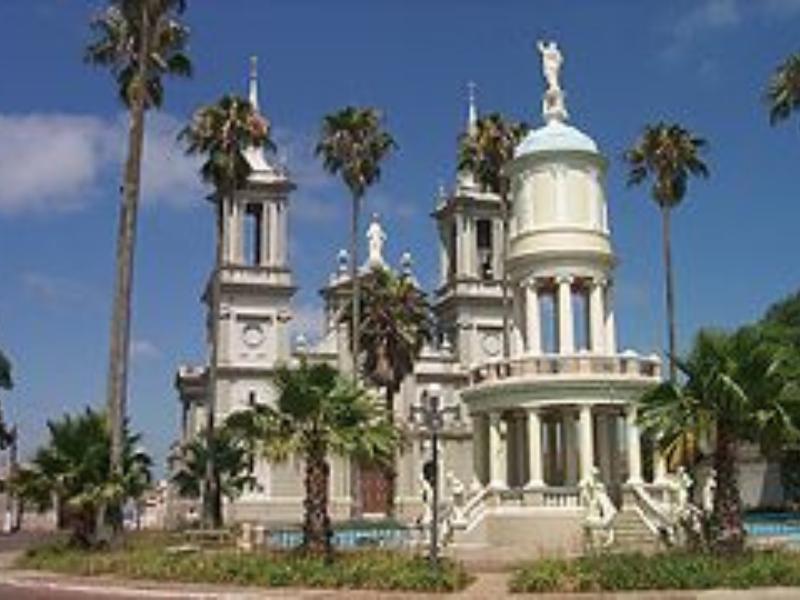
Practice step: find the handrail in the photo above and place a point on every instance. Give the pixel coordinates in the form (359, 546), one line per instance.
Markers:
(654, 515)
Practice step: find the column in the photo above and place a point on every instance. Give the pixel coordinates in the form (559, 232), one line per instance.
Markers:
(266, 236)
(596, 317)
(610, 326)
(634, 449)
(587, 441)
(497, 453)
(498, 239)
(444, 268)
(569, 449)
(533, 335)
(535, 475)
(604, 447)
(517, 342)
(566, 323)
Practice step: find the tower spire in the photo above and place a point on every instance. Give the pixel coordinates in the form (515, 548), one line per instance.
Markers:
(472, 110)
(253, 92)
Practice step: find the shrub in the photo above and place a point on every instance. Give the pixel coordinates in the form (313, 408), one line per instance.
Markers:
(671, 571)
(148, 558)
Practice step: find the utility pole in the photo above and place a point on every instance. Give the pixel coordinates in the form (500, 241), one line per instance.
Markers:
(431, 414)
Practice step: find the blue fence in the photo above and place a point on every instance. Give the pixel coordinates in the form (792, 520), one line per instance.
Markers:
(345, 538)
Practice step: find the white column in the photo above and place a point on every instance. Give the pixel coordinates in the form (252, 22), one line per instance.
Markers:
(517, 341)
(273, 231)
(587, 440)
(443, 260)
(566, 323)
(611, 327)
(533, 335)
(266, 236)
(535, 475)
(497, 248)
(634, 449)
(498, 467)
(569, 449)
(596, 317)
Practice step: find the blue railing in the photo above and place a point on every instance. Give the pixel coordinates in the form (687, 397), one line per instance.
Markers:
(345, 538)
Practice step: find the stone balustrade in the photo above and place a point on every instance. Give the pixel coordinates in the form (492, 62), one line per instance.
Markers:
(568, 366)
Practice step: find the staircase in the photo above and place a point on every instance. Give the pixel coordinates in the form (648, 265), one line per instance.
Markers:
(631, 533)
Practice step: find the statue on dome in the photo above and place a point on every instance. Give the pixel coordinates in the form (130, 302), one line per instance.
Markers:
(553, 105)
(552, 59)
(376, 238)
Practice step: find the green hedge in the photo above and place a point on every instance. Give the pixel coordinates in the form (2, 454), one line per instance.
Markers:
(672, 571)
(379, 570)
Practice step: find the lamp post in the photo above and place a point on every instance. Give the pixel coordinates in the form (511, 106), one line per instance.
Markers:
(431, 414)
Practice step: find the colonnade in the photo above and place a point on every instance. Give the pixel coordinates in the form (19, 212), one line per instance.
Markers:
(601, 327)
(492, 447)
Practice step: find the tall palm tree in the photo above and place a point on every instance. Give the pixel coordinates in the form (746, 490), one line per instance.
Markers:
(353, 143)
(73, 469)
(783, 90)
(318, 413)
(231, 458)
(484, 152)
(222, 132)
(669, 155)
(139, 41)
(739, 387)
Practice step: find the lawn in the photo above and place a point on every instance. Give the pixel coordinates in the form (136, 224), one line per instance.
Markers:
(153, 557)
(670, 571)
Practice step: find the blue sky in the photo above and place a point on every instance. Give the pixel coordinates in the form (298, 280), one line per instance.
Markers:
(701, 62)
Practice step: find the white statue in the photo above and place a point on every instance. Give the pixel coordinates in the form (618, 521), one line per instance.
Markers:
(552, 59)
(376, 238)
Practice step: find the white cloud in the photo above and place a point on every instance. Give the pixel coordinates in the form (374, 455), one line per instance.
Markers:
(55, 162)
(142, 349)
(308, 319)
(49, 162)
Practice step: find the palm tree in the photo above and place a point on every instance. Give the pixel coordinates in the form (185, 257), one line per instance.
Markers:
(231, 458)
(73, 470)
(669, 155)
(739, 387)
(395, 322)
(353, 144)
(139, 41)
(484, 152)
(318, 413)
(783, 91)
(222, 132)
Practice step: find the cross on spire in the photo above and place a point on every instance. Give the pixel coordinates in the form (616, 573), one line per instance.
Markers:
(253, 95)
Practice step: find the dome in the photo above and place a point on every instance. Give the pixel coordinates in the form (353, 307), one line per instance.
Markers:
(554, 137)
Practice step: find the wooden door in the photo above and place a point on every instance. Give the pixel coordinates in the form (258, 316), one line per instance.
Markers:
(375, 486)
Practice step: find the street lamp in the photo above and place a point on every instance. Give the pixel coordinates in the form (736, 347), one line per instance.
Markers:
(430, 414)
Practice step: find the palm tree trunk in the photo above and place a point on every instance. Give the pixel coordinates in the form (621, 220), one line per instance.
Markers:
(212, 500)
(728, 527)
(126, 240)
(354, 279)
(504, 279)
(317, 531)
(670, 290)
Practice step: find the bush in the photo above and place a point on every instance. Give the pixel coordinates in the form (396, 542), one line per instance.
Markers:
(147, 557)
(671, 571)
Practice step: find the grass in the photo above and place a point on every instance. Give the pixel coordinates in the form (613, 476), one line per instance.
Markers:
(671, 571)
(147, 557)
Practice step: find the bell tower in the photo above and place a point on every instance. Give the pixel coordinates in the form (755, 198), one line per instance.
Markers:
(256, 285)
(469, 300)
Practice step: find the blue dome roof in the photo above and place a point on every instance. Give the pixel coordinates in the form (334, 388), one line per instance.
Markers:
(555, 136)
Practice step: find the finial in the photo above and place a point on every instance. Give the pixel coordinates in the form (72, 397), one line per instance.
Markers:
(254, 81)
(472, 113)
(343, 261)
(406, 263)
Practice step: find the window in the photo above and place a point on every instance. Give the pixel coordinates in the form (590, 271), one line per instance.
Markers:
(485, 248)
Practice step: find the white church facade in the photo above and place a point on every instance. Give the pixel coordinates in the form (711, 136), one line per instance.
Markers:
(546, 446)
